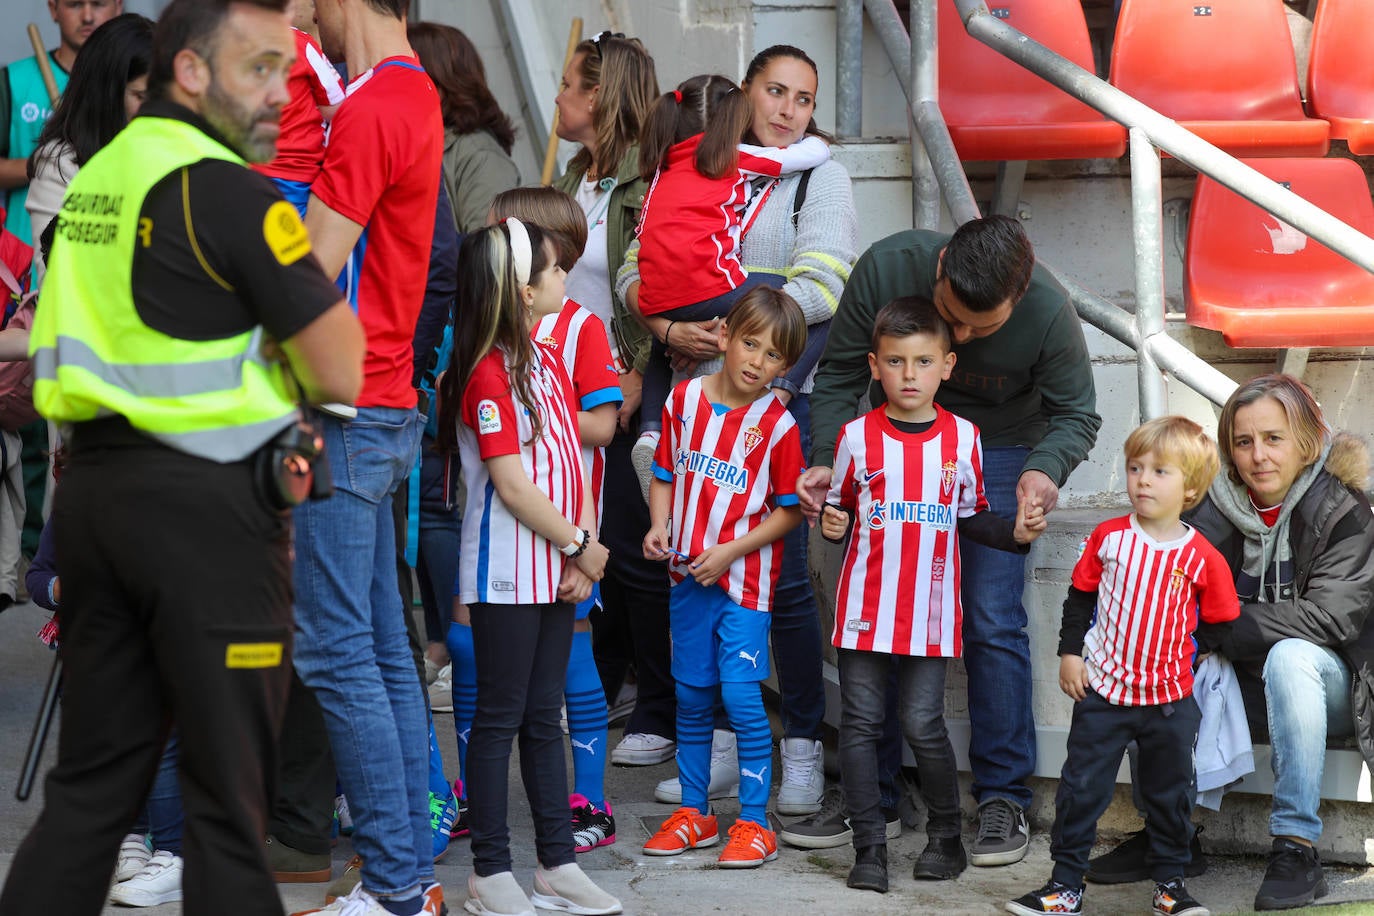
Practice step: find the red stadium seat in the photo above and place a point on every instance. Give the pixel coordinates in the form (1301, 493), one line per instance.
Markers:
(1224, 69)
(1261, 282)
(998, 110)
(1340, 72)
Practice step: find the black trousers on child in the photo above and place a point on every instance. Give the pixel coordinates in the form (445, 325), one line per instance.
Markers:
(1097, 738)
(176, 606)
(522, 662)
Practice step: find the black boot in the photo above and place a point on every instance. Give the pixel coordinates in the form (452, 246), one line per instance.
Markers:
(870, 869)
(942, 859)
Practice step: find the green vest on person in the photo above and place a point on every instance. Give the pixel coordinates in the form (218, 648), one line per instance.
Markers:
(30, 109)
(94, 357)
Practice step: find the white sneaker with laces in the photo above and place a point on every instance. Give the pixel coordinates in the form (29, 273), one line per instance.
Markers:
(134, 853)
(640, 750)
(567, 888)
(803, 776)
(724, 772)
(156, 883)
(441, 691)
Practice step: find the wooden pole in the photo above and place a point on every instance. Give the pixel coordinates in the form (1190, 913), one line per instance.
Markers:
(44, 66)
(551, 151)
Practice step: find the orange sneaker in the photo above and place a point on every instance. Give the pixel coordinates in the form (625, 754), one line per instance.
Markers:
(749, 847)
(685, 828)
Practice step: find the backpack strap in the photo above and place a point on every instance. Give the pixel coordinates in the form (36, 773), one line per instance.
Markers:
(799, 200)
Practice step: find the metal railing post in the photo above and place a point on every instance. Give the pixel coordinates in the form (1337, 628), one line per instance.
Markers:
(849, 60)
(1147, 218)
(925, 190)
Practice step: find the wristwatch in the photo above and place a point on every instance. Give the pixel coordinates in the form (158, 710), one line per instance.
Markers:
(573, 549)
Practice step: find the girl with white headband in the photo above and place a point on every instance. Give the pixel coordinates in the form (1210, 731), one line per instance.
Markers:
(529, 553)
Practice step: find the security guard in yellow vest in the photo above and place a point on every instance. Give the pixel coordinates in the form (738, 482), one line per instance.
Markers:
(180, 288)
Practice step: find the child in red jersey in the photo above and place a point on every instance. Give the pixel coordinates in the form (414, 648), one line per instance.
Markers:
(909, 473)
(1126, 656)
(726, 473)
(528, 555)
(692, 219)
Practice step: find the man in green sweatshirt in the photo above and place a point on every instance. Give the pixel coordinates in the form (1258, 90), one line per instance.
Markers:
(1023, 376)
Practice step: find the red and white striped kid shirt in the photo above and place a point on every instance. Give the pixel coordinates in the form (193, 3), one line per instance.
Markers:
(502, 561)
(729, 471)
(1139, 649)
(899, 582)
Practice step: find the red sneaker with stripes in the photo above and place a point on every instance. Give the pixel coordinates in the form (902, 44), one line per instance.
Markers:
(685, 828)
(750, 846)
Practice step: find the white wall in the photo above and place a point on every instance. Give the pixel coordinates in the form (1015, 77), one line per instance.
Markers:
(17, 14)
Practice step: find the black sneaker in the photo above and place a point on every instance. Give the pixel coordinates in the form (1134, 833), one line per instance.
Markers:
(591, 826)
(1294, 877)
(1126, 863)
(1172, 899)
(1052, 898)
(1003, 834)
(942, 859)
(870, 869)
(829, 827)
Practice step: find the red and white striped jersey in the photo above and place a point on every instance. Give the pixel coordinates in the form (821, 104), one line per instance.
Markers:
(312, 83)
(729, 471)
(1139, 649)
(899, 581)
(501, 560)
(579, 338)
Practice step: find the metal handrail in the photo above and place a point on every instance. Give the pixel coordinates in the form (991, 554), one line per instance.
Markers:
(937, 171)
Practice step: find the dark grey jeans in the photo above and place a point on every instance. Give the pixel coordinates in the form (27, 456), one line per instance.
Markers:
(921, 710)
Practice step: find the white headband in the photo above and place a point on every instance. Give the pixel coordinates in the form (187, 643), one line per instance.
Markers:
(520, 251)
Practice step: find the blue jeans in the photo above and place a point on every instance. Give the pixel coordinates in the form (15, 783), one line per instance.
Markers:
(353, 651)
(796, 624)
(1307, 690)
(996, 649)
(865, 685)
(161, 814)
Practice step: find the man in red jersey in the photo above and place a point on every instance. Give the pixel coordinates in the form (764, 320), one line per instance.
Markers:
(381, 168)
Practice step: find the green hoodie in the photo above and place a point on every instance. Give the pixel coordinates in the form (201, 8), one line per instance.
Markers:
(1028, 383)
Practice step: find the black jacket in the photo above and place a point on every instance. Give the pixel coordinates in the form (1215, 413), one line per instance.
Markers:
(1332, 540)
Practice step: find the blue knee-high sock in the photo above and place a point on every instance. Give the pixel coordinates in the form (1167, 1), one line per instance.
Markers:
(695, 706)
(586, 721)
(754, 742)
(438, 783)
(459, 641)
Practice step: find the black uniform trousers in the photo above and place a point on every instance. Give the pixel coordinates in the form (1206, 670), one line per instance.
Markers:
(176, 606)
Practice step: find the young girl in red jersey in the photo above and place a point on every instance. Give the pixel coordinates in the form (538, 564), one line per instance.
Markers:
(693, 215)
(581, 341)
(506, 404)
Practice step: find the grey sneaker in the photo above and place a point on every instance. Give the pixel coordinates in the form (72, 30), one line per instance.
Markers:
(724, 772)
(829, 827)
(803, 776)
(1003, 834)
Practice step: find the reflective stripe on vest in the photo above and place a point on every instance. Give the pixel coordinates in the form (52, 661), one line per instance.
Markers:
(218, 399)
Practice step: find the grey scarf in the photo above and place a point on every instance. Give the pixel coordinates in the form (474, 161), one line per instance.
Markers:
(1265, 548)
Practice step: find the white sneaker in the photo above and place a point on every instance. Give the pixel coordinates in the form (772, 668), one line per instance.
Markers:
(642, 458)
(724, 772)
(567, 888)
(356, 902)
(441, 691)
(497, 895)
(156, 883)
(640, 750)
(803, 776)
(134, 853)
